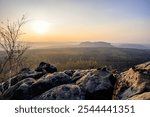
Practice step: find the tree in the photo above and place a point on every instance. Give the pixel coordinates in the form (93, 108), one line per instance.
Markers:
(12, 46)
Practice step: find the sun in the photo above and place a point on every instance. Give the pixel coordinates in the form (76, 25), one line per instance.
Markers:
(40, 27)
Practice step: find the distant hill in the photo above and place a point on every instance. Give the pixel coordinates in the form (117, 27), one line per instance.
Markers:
(135, 46)
(95, 44)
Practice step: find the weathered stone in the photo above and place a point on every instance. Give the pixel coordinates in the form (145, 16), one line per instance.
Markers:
(50, 81)
(143, 96)
(133, 82)
(12, 92)
(79, 74)
(27, 74)
(69, 72)
(62, 92)
(19, 77)
(97, 84)
(46, 67)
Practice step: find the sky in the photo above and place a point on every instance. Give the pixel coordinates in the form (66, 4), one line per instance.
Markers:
(115, 21)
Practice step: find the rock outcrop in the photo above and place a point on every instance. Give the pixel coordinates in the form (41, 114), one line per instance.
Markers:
(45, 67)
(49, 81)
(19, 91)
(97, 84)
(62, 92)
(45, 83)
(134, 83)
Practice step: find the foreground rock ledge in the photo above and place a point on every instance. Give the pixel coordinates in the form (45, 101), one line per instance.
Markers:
(134, 83)
(45, 83)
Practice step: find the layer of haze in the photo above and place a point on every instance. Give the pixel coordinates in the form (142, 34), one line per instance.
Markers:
(117, 21)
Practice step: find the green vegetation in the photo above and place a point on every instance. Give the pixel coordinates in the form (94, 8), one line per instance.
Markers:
(85, 58)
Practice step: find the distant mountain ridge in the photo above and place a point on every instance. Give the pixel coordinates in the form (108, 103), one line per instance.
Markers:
(45, 45)
(134, 46)
(95, 44)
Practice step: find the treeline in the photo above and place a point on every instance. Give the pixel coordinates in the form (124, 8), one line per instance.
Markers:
(85, 58)
(116, 59)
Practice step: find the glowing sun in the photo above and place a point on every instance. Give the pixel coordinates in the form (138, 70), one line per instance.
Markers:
(40, 27)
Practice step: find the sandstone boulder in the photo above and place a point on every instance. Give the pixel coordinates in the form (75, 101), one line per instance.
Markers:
(45, 67)
(69, 72)
(49, 81)
(143, 96)
(97, 84)
(79, 74)
(23, 74)
(13, 92)
(133, 83)
(90, 84)
(62, 92)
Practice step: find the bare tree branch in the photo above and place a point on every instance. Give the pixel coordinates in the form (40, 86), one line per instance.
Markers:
(9, 41)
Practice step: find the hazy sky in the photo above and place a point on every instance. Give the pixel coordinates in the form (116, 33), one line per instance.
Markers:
(82, 20)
